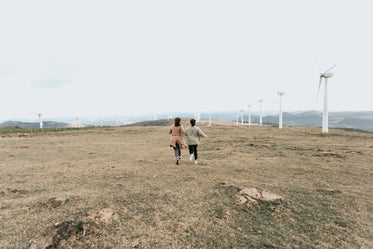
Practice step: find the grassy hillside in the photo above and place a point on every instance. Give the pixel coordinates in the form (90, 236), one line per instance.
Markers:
(46, 124)
(325, 180)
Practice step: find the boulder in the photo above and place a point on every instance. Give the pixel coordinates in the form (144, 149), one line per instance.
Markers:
(250, 192)
(239, 199)
(250, 201)
(267, 196)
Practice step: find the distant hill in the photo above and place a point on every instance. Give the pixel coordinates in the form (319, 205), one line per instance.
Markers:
(29, 125)
(349, 120)
(160, 122)
(345, 120)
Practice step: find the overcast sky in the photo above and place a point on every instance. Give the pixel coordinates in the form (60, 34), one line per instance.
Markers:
(98, 58)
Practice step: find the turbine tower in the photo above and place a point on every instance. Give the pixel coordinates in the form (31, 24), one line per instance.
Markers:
(209, 120)
(249, 123)
(260, 114)
(241, 117)
(280, 116)
(197, 117)
(40, 119)
(326, 75)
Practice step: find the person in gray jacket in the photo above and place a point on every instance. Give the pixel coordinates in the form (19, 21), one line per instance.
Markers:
(193, 134)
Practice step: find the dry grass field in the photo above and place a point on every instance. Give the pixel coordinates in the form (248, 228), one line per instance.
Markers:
(326, 182)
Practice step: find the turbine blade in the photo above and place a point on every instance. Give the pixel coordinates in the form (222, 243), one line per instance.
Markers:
(330, 69)
(318, 90)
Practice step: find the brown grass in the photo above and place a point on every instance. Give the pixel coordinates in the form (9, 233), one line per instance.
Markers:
(326, 181)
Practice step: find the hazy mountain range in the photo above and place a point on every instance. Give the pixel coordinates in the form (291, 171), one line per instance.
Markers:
(350, 120)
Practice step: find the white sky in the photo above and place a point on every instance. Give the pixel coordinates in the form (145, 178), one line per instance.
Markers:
(75, 58)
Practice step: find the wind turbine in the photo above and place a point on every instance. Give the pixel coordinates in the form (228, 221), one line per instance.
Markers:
(197, 117)
(241, 117)
(40, 119)
(249, 123)
(260, 114)
(209, 120)
(326, 75)
(280, 116)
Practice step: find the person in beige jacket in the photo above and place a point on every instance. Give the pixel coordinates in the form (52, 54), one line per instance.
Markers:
(177, 140)
(193, 135)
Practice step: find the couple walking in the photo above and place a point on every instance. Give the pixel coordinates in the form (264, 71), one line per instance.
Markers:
(192, 134)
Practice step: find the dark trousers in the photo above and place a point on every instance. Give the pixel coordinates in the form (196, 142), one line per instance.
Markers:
(193, 150)
(177, 150)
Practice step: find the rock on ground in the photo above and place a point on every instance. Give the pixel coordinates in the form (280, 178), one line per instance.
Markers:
(250, 192)
(266, 196)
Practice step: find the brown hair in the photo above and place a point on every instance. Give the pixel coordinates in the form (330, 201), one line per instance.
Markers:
(177, 121)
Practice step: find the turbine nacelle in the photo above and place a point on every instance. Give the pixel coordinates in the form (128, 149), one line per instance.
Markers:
(326, 75)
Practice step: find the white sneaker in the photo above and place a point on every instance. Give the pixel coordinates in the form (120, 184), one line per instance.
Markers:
(195, 162)
(191, 157)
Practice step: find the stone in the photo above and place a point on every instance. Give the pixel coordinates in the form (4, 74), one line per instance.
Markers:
(105, 214)
(250, 192)
(239, 199)
(56, 201)
(250, 201)
(227, 184)
(267, 196)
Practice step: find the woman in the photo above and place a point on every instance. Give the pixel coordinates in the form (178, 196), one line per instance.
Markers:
(193, 134)
(177, 140)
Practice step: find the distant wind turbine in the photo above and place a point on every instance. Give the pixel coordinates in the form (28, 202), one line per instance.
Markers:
(241, 117)
(249, 123)
(260, 114)
(209, 119)
(40, 119)
(280, 116)
(326, 75)
(197, 116)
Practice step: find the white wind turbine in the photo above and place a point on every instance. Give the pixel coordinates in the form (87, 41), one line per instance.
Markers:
(197, 117)
(241, 117)
(280, 116)
(249, 123)
(40, 119)
(209, 120)
(260, 114)
(326, 75)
